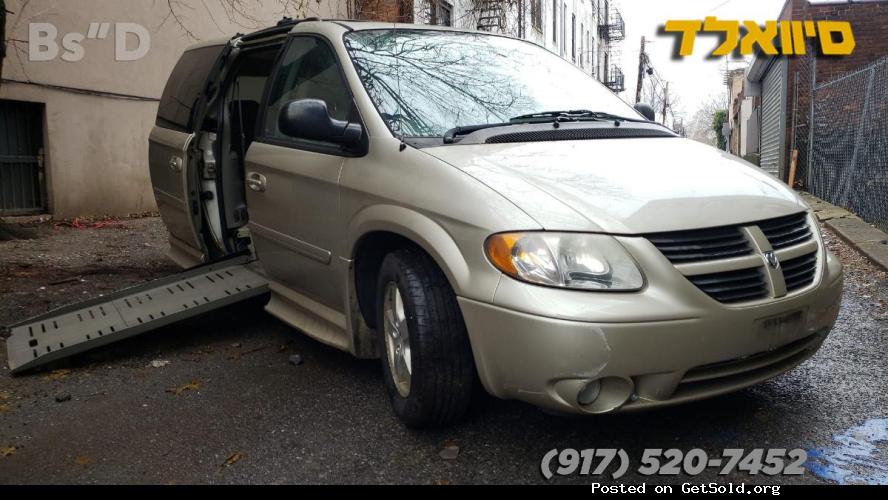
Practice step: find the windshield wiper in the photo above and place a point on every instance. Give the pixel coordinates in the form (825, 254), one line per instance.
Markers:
(451, 134)
(542, 117)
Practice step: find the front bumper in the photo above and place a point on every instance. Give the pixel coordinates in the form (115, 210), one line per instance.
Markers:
(666, 345)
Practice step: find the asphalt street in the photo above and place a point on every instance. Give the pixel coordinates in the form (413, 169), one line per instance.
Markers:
(215, 400)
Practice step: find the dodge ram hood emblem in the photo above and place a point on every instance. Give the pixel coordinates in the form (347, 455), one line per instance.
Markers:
(772, 260)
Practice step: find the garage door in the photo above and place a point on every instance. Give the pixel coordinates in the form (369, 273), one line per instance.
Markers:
(773, 132)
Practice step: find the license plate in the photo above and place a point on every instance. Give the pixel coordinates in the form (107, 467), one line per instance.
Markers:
(783, 324)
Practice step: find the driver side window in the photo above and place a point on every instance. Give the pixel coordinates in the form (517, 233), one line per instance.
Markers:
(309, 70)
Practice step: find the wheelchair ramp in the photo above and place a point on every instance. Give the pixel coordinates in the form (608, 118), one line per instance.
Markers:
(86, 325)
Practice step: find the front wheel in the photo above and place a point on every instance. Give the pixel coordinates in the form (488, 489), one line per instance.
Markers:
(427, 360)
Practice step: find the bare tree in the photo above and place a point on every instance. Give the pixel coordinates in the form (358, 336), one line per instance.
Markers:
(414, 75)
(699, 127)
(240, 13)
(8, 44)
(661, 97)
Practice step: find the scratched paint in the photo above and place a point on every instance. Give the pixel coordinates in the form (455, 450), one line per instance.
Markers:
(860, 457)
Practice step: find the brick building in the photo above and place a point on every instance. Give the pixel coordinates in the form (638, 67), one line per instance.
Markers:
(393, 11)
(783, 83)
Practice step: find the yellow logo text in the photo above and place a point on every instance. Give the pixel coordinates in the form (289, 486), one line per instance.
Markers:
(836, 37)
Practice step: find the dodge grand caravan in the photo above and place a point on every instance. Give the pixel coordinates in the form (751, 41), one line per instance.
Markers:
(473, 209)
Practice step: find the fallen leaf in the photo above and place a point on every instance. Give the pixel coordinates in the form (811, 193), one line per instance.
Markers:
(191, 386)
(233, 459)
(83, 460)
(61, 373)
(238, 355)
(4, 395)
(159, 363)
(4, 408)
(7, 451)
(442, 482)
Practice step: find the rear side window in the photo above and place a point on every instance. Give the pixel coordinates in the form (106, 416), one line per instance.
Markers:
(183, 89)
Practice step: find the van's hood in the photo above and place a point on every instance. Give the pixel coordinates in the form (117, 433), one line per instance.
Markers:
(625, 186)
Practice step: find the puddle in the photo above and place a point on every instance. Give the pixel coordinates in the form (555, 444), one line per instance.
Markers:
(859, 457)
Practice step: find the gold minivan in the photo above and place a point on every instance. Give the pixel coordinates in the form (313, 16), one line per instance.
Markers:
(471, 208)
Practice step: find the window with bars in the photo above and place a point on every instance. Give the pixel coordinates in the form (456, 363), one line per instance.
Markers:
(536, 14)
(582, 31)
(555, 21)
(573, 37)
(441, 13)
(22, 190)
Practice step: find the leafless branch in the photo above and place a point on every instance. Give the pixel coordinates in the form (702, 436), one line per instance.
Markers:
(245, 14)
(172, 14)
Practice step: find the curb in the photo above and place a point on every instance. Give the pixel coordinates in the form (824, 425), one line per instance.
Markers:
(26, 219)
(868, 240)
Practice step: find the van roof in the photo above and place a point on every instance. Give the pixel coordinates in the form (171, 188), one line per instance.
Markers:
(375, 25)
(208, 43)
(349, 24)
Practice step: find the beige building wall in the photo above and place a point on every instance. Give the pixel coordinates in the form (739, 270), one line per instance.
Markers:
(99, 112)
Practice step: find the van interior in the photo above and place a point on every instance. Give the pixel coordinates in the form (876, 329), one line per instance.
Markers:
(225, 136)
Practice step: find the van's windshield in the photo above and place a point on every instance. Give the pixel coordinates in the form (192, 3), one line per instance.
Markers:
(425, 82)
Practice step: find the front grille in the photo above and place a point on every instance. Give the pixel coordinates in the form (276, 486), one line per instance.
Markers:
(731, 375)
(687, 248)
(682, 247)
(733, 286)
(787, 231)
(799, 272)
(757, 361)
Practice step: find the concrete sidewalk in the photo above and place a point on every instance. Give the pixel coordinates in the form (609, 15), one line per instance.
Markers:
(865, 238)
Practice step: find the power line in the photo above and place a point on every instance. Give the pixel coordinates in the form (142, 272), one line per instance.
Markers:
(77, 90)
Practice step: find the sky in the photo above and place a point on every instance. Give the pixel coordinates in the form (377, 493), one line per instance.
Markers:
(693, 78)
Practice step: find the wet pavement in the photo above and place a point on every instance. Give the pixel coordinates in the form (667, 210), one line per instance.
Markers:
(215, 400)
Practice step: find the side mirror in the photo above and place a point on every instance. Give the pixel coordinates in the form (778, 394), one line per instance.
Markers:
(646, 111)
(309, 119)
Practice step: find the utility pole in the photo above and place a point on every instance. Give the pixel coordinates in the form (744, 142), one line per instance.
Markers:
(665, 102)
(728, 83)
(640, 72)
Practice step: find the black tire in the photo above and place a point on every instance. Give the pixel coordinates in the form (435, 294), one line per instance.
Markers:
(443, 374)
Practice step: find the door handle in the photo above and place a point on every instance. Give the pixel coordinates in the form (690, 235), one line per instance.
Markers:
(175, 164)
(256, 182)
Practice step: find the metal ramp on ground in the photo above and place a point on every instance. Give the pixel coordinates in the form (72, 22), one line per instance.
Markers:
(87, 325)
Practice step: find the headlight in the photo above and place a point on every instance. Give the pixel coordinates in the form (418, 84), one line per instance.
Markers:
(566, 260)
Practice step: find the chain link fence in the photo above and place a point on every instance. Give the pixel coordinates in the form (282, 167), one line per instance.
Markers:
(801, 116)
(843, 138)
